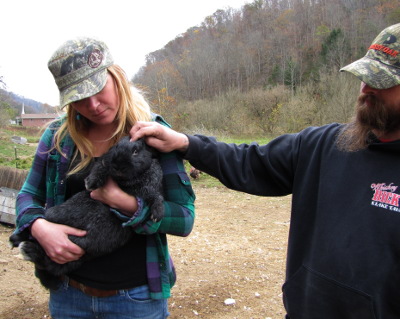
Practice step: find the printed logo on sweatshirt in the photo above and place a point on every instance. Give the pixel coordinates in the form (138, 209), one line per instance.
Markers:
(385, 196)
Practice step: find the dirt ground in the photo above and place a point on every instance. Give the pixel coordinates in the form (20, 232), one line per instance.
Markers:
(237, 250)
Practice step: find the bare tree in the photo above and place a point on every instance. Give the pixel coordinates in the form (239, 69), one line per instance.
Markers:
(267, 43)
(2, 83)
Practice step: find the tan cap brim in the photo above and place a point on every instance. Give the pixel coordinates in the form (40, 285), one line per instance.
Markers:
(83, 89)
(374, 73)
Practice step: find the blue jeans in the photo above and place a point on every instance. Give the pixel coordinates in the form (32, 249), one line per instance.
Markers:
(70, 303)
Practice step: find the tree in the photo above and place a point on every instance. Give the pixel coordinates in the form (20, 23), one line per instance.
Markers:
(7, 111)
(267, 43)
(2, 83)
(264, 106)
(335, 50)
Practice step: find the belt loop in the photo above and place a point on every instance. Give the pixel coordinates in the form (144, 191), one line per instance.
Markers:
(64, 281)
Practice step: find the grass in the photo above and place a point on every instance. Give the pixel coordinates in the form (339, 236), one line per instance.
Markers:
(248, 140)
(17, 155)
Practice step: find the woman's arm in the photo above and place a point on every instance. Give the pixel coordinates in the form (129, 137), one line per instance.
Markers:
(32, 196)
(30, 206)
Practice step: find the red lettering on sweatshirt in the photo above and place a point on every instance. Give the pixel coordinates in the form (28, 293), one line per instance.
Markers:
(386, 197)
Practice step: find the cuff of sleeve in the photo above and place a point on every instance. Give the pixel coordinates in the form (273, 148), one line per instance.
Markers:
(192, 147)
(126, 218)
(25, 220)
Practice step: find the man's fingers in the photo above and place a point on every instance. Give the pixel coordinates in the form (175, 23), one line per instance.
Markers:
(158, 136)
(137, 131)
(144, 129)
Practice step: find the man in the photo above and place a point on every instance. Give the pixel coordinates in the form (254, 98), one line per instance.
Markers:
(343, 259)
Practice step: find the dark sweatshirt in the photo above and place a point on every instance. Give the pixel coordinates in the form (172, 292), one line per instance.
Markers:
(343, 258)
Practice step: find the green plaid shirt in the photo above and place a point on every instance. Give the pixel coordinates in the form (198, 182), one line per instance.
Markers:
(45, 187)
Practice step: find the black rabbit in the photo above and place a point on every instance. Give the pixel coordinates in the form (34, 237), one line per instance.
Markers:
(135, 168)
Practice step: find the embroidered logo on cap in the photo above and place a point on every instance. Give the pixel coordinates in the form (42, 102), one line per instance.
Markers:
(95, 58)
(384, 49)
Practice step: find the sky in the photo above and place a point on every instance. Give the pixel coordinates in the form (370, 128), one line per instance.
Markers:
(31, 30)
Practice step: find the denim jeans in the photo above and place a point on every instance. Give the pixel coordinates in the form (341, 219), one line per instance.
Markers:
(70, 303)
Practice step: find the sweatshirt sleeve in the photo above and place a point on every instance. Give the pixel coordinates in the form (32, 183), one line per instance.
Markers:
(266, 170)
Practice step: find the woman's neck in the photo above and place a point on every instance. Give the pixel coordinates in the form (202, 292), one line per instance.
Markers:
(100, 137)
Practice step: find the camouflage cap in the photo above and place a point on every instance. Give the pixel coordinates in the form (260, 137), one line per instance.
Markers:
(79, 68)
(380, 67)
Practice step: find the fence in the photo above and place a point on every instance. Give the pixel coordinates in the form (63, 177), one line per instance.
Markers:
(11, 180)
(11, 177)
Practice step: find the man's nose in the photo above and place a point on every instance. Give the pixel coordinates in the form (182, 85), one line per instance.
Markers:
(366, 89)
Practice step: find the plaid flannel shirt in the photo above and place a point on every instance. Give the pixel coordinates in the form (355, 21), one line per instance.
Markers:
(45, 187)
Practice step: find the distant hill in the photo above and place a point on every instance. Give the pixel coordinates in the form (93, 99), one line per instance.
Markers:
(16, 101)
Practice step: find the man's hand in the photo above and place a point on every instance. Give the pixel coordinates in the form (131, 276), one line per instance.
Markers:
(160, 137)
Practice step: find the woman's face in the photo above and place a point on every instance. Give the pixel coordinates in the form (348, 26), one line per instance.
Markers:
(101, 108)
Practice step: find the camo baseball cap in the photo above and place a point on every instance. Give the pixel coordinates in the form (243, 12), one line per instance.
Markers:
(79, 68)
(380, 67)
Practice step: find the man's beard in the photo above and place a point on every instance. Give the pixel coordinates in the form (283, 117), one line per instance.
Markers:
(374, 116)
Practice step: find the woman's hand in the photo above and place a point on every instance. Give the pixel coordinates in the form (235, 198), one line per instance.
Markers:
(112, 195)
(160, 137)
(54, 240)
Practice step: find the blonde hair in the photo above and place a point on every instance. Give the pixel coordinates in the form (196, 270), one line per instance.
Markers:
(132, 108)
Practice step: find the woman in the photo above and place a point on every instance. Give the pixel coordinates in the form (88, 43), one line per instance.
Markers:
(101, 107)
